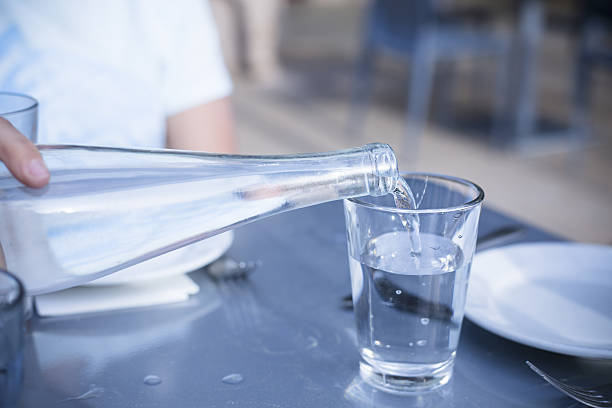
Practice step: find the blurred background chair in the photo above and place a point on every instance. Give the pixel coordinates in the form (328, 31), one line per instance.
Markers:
(594, 50)
(419, 33)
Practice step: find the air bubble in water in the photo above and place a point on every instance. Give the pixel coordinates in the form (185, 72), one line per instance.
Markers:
(460, 236)
(425, 321)
(398, 292)
(421, 342)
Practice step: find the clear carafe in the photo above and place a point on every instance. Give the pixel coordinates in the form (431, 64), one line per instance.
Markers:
(106, 209)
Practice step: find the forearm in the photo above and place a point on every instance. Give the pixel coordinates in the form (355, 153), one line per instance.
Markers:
(208, 127)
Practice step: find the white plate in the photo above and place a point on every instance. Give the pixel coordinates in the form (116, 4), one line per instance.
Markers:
(552, 296)
(179, 261)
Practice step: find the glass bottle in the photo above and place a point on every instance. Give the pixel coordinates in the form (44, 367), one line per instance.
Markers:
(106, 209)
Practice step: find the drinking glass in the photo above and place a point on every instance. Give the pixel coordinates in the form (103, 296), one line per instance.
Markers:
(409, 276)
(11, 338)
(22, 111)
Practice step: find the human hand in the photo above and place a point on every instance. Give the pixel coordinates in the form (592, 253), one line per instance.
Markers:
(21, 156)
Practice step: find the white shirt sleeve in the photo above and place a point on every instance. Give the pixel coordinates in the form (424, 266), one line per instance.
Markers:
(192, 67)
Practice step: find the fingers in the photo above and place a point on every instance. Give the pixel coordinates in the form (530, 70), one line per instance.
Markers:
(21, 156)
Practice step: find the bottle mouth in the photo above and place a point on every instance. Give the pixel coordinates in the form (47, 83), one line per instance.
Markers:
(384, 163)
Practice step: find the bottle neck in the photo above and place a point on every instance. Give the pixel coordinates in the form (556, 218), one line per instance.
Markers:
(316, 178)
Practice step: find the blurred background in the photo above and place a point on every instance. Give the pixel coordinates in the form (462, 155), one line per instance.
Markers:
(515, 95)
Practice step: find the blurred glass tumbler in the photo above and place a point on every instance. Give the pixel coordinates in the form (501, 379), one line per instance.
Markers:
(21, 111)
(409, 305)
(11, 338)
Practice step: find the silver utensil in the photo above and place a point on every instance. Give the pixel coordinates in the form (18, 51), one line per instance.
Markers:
(596, 397)
(228, 268)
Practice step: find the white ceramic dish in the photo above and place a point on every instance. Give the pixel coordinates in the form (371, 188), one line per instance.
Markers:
(552, 296)
(179, 261)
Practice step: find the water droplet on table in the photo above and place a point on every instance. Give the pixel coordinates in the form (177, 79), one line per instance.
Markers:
(92, 393)
(152, 379)
(235, 378)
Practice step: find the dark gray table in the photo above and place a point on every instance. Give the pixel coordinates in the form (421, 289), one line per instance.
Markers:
(283, 330)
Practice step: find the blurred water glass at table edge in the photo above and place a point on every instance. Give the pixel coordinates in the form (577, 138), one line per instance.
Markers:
(11, 338)
(22, 112)
(409, 306)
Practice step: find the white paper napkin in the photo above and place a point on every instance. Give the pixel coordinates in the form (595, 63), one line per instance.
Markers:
(87, 299)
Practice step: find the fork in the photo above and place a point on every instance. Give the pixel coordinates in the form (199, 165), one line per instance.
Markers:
(227, 268)
(597, 397)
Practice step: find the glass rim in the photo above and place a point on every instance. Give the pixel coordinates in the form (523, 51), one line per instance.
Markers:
(33, 103)
(462, 207)
(20, 286)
